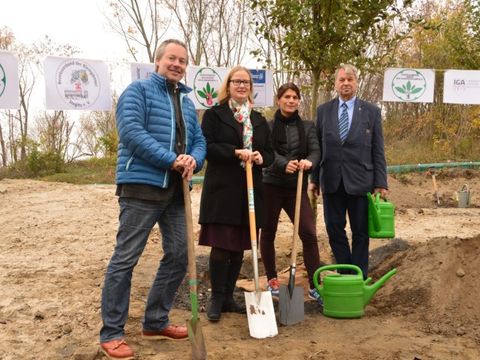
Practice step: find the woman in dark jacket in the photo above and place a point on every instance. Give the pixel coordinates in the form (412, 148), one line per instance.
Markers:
(235, 133)
(296, 147)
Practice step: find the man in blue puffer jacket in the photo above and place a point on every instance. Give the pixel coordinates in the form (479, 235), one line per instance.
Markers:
(160, 142)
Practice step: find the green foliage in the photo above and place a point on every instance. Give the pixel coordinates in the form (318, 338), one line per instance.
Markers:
(110, 143)
(91, 171)
(320, 35)
(43, 163)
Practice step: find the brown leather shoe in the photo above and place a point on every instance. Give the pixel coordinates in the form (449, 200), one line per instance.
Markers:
(171, 332)
(117, 349)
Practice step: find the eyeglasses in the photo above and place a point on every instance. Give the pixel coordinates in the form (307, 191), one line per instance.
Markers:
(237, 82)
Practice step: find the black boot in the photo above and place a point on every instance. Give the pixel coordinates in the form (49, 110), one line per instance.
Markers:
(229, 304)
(218, 276)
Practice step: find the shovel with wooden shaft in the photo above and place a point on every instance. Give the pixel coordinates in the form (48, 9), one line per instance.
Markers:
(291, 297)
(195, 334)
(259, 304)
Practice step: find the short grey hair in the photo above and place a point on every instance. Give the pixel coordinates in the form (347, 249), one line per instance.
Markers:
(348, 68)
(161, 49)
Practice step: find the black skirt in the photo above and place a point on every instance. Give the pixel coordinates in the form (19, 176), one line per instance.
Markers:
(227, 237)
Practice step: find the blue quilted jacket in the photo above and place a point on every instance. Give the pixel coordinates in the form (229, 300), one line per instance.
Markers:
(146, 129)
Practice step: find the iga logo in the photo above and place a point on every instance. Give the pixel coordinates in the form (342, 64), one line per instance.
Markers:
(3, 80)
(77, 83)
(459, 85)
(204, 87)
(409, 85)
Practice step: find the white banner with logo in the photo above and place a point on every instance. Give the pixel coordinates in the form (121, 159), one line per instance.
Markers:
(461, 87)
(409, 85)
(206, 81)
(9, 90)
(77, 84)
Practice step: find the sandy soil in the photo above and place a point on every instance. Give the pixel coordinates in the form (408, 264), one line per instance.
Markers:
(56, 240)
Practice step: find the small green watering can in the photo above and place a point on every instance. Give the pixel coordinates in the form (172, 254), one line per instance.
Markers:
(345, 296)
(381, 218)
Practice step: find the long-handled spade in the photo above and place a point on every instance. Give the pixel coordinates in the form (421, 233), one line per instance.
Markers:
(291, 296)
(195, 334)
(260, 311)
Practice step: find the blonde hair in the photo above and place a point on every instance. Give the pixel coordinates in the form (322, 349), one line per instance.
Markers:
(349, 69)
(224, 91)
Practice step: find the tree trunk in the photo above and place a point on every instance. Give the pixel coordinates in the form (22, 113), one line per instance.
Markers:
(4, 149)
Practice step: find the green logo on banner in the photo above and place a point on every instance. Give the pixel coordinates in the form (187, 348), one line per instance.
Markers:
(409, 85)
(205, 85)
(3, 80)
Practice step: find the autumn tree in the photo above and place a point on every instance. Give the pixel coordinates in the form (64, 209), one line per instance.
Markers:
(447, 38)
(98, 133)
(320, 35)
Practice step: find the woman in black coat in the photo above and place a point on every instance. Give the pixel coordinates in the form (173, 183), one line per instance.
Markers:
(235, 133)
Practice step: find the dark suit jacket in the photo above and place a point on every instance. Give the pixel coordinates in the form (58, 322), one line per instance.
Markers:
(360, 161)
(224, 192)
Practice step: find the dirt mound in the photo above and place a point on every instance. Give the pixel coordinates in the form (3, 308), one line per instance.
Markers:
(437, 283)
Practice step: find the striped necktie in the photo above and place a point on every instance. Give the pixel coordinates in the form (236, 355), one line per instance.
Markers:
(343, 123)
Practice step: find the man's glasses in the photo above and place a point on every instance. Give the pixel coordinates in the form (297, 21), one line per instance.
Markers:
(237, 82)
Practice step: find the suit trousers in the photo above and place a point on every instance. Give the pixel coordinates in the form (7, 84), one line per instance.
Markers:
(335, 208)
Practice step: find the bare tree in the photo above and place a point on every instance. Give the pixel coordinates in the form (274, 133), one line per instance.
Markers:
(139, 23)
(216, 32)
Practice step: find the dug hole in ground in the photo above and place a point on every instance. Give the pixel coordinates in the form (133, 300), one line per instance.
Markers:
(57, 239)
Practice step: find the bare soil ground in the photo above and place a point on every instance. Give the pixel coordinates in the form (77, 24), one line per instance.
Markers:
(56, 240)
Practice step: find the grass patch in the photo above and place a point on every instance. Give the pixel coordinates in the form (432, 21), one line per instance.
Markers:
(91, 171)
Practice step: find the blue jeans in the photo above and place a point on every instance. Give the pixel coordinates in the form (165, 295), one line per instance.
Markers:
(137, 218)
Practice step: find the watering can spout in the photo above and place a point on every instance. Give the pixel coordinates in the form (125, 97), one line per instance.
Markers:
(370, 290)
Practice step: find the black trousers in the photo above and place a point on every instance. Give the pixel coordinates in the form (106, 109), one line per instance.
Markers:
(335, 208)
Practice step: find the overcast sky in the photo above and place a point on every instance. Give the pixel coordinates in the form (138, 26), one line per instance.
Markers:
(79, 23)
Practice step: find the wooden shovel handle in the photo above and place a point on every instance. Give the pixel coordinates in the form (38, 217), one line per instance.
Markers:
(192, 268)
(296, 219)
(252, 222)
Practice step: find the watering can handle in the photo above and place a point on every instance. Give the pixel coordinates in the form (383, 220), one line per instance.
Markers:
(374, 211)
(316, 275)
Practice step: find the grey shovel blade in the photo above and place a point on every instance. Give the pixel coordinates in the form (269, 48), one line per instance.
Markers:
(291, 307)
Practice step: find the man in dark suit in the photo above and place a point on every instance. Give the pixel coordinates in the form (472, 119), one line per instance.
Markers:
(352, 164)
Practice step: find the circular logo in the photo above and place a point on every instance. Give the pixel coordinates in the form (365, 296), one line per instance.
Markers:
(77, 83)
(409, 85)
(205, 86)
(3, 80)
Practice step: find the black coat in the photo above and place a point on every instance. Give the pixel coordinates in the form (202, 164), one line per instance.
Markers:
(224, 192)
(360, 161)
(275, 173)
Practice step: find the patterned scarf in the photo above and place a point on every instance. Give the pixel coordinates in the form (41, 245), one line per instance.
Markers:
(241, 113)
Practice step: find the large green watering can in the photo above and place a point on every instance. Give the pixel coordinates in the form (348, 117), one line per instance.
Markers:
(381, 220)
(346, 295)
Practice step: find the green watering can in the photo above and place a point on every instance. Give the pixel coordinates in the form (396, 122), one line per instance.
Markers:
(346, 295)
(381, 218)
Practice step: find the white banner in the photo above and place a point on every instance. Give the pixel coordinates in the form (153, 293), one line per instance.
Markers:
(461, 87)
(141, 70)
(77, 84)
(409, 85)
(205, 82)
(9, 91)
